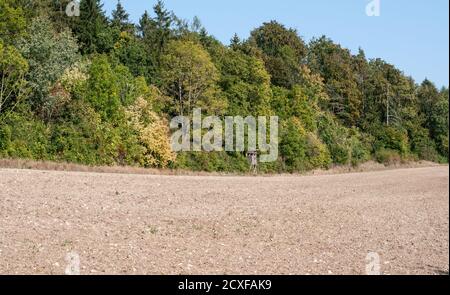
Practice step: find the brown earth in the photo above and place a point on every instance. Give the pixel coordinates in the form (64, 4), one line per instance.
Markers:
(150, 224)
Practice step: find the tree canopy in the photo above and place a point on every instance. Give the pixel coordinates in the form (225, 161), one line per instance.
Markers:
(100, 90)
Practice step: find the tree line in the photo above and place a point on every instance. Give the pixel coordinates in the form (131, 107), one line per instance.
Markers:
(100, 90)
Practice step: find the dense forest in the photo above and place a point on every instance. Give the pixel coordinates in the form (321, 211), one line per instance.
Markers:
(100, 90)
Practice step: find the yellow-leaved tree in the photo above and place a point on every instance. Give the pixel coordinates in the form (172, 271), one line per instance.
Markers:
(153, 133)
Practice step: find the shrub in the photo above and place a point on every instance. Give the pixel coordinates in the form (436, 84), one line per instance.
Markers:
(152, 133)
(103, 92)
(346, 146)
(75, 75)
(302, 150)
(22, 136)
(214, 161)
(388, 156)
(317, 153)
(78, 136)
(422, 145)
(389, 137)
(444, 146)
(359, 147)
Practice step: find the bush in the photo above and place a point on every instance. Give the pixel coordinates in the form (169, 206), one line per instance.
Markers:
(71, 144)
(302, 150)
(346, 146)
(389, 137)
(388, 156)
(359, 147)
(80, 136)
(77, 135)
(152, 133)
(423, 146)
(214, 161)
(444, 146)
(103, 91)
(317, 153)
(22, 136)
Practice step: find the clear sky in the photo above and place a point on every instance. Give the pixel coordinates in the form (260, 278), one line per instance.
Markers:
(411, 34)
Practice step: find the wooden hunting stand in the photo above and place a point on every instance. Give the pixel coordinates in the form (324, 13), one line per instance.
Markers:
(253, 159)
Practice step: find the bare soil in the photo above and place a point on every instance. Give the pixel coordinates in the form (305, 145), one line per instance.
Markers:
(161, 224)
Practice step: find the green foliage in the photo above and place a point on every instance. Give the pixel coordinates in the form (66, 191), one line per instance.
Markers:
(283, 51)
(303, 108)
(111, 87)
(162, 25)
(388, 137)
(210, 162)
(244, 81)
(48, 54)
(420, 142)
(388, 96)
(388, 156)
(13, 86)
(280, 102)
(12, 21)
(77, 137)
(296, 103)
(23, 136)
(91, 28)
(190, 77)
(434, 108)
(82, 137)
(102, 89)
(156, 33)
(335, 65)
(441, 123)
(120, 18)
(346, 146)
(110, 104)
(131, 52)
(302, 150)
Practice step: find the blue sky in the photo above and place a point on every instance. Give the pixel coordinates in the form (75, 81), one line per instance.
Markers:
(411, 34)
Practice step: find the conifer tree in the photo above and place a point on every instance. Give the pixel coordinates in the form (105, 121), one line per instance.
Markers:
(91, 28)
(120, 18)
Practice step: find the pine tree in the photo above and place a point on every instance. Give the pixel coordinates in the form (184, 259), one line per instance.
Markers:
(91, 28)
(120, 18)
(163, 21)
(196, 25)
(156, 33)
(235, 42)
(146, 23)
